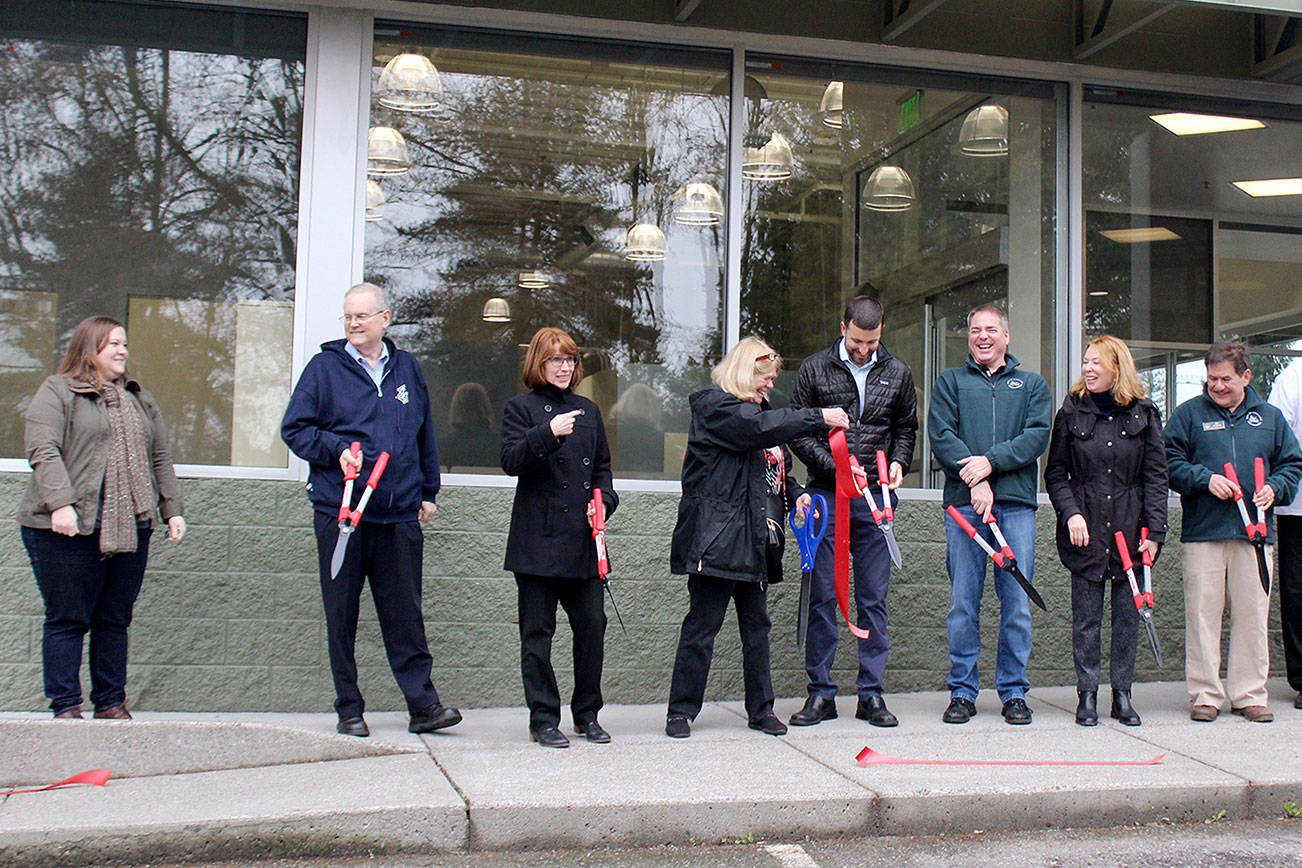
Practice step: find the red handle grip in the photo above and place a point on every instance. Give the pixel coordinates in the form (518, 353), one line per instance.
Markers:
(380, 463)
(350, 472)
(598, 511)
(1259, 473)
(1232, 477)
(854, 477)
(883, 472)
(1146, 556)
(961, 521)
(1124, 551)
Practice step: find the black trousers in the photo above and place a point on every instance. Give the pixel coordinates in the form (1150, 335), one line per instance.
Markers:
(709, 603)
(85, 592)
(1086, 624)
(389, 556)
(581, 598)
(1290, 595)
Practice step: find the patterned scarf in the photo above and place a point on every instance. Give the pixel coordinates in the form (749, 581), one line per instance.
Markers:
(128, 487)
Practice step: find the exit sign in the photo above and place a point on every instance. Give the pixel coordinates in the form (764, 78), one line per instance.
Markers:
(911, 111)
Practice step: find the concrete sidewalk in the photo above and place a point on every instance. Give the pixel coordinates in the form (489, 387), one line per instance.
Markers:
(190, 786)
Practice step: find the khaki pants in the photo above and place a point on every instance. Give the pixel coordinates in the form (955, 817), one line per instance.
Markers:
(1213, 571)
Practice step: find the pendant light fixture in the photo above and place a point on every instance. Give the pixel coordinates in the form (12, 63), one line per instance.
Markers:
(645, 243)
(771, 162)
(697, 204)
(889, 188)
(831, 109)
(497, 310)
(409, 83)
(533, 280)
(374, 202)
(386, 152)
(985, 132)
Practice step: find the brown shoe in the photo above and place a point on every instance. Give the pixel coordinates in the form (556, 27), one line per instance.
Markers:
(73, 713)
(1254, 713)
(117, 712)
(1204, 713)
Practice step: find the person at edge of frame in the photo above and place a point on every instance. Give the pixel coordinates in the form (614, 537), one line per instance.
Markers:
(362, 388)
(988, 424)
(1106, 473)
(735, 476)
(1286, 394)
(876, 389)
(554, 441)
(1228, 423)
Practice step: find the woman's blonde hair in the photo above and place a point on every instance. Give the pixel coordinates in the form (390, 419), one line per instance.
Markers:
(736, 373)
(1116, 357)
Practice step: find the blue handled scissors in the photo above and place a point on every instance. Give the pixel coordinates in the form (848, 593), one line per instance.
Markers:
(808, 536)
(811, 533)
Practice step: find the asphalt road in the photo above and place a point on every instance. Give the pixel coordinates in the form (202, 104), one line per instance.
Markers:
(1218, 841)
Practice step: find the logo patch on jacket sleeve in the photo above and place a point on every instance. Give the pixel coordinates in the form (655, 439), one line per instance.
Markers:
(1016, 383)
(401, 394)
(1254, 419)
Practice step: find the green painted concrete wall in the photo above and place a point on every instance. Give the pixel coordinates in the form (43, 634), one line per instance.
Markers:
(230, 618)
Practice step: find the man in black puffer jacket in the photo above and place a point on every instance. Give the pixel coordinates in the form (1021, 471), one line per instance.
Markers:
(876, 389)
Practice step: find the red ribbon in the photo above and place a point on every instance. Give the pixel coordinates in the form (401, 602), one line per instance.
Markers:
(93, 778)
(868, 757)
(845, 489)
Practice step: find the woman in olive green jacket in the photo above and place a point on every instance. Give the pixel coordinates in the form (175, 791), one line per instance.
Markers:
(101, 472)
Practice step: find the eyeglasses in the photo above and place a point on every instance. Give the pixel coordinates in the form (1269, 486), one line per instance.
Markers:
(767, 357)
(562, 361)
(359, 318)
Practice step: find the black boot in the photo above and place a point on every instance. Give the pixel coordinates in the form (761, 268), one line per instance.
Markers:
(1122, 711)
(1087, 710)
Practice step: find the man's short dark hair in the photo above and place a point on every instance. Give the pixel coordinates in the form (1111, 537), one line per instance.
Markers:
(1228, 351)
(864, 312)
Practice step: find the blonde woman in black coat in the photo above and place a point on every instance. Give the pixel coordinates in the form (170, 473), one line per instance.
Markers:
(731, 479)
(555, 442)
(1106, 473)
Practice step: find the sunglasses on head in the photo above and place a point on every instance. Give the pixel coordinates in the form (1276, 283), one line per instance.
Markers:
(767, 357)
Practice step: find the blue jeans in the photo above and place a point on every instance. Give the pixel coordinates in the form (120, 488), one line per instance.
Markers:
(967, 576)
(85, 592)
(872, 578)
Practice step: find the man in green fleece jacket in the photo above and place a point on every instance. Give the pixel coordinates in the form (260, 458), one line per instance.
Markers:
(989, 423)
(1227, 423)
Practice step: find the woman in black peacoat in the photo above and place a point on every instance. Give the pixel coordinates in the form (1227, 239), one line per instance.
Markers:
(555, 442)
(1106, 473)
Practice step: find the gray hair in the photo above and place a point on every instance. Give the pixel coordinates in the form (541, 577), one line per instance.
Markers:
(989, 308)
(381, 297)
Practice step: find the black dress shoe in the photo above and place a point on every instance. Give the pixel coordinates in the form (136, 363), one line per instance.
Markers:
(1016, 712)
(1087, 710)
(873, 709)
(1297, 703)
(1122, 711)
(352, 726)
(592, 731)
(549, 736)
(768, 724)
(816, 710)
(432, 718)
(960, 710)
(677, 726)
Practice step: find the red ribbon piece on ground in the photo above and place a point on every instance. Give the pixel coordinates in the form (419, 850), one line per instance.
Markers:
(869, 757)
(845, 489)
(92, 778)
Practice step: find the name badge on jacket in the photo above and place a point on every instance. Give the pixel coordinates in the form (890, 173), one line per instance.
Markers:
(1218, 425)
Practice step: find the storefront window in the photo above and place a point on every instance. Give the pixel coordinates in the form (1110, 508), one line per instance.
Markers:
(550, 183)
(1179, 250)
(933, 194)
(149, 171)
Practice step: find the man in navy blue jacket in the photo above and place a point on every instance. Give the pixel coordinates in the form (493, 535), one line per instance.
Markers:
(365, 389)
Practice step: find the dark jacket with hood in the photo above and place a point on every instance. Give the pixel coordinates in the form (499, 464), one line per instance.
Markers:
(336, 402)
(1201, 437)
(550, 534)
(888, 419)
(1109, 466)
(721, 530)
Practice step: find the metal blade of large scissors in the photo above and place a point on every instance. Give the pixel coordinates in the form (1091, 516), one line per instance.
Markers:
(615, 606)
(1146, 615)
(891, 545)
(802, 612)
(1031, 592)
(341, 546)
(1263, 570)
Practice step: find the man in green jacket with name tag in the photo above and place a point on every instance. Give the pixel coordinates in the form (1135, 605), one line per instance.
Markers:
(1228, 423)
